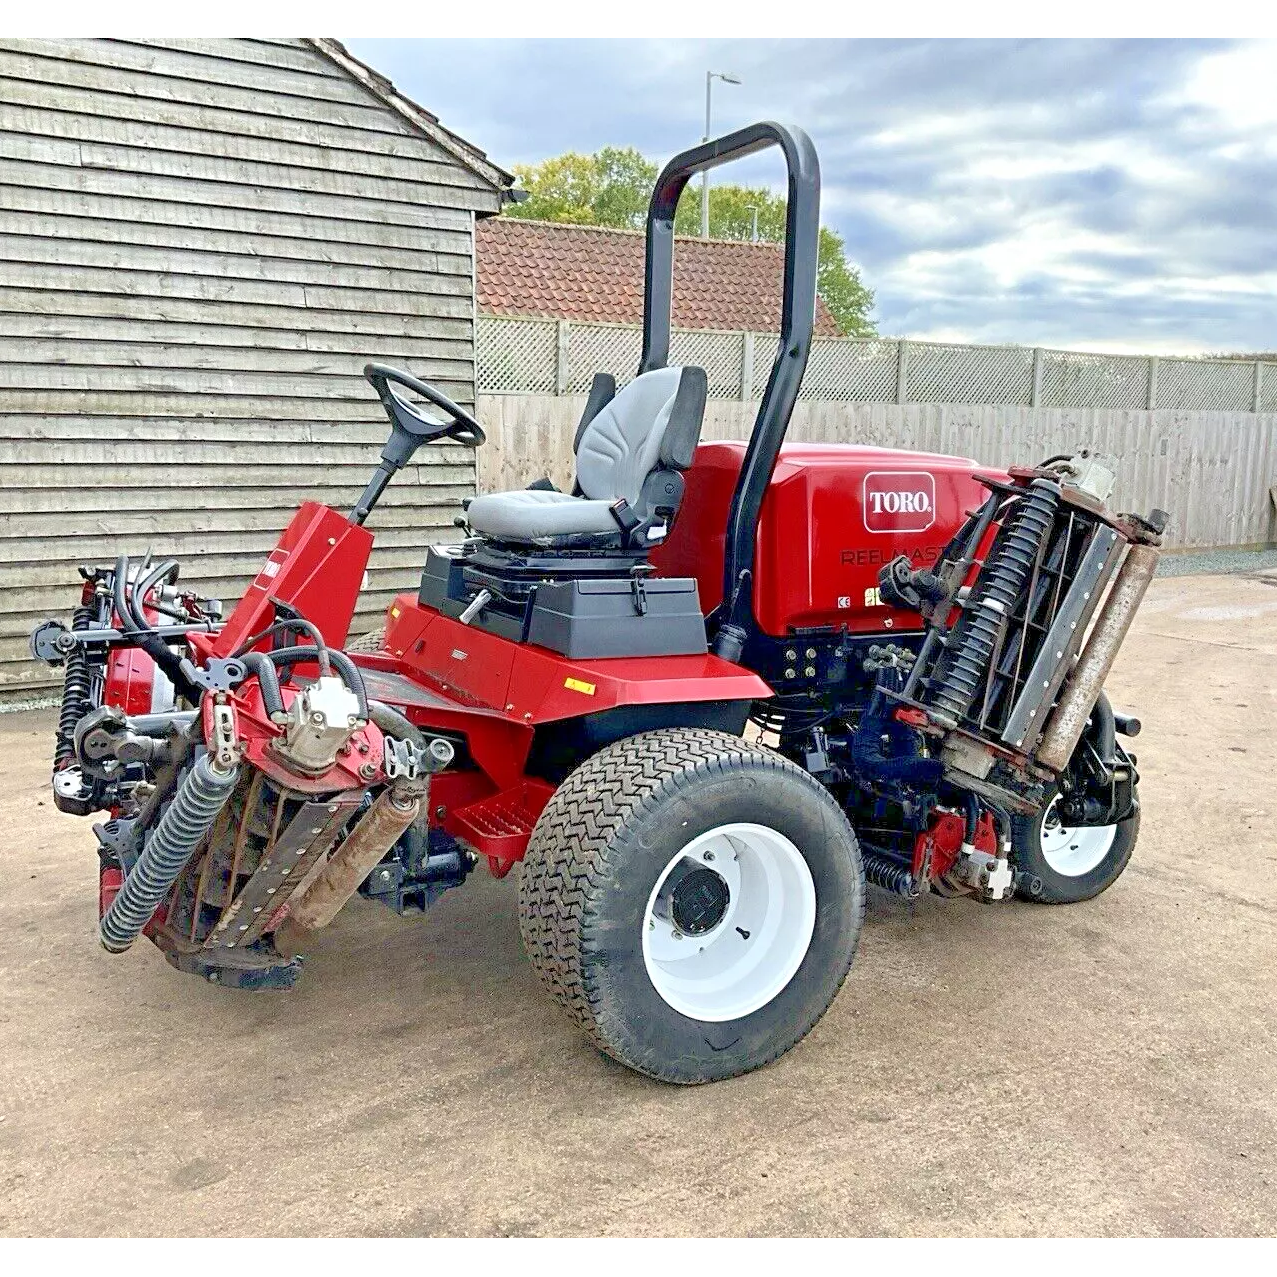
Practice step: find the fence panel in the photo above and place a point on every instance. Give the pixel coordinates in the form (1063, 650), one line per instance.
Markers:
(1074, 379)
(602, 348)
(968, 374)
(1209, 385)
(528, 356)
(516, 355)
(840, 369)
(720, 354)
(1267, 388)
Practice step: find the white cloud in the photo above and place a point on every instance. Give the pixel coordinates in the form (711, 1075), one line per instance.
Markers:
(1239, 85)
(1108, 194)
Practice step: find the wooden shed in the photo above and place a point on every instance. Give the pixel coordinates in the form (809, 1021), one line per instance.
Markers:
(202, 242)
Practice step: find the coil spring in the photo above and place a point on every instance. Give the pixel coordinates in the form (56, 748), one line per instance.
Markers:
(888, 874)
(76, 693)
(964, 666)
(201, 795)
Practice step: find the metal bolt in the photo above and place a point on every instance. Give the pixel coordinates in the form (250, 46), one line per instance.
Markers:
(212, 977)
(790, 674)
(709, 855)
(791, 654)
(811, 653)
(331, 807)
(367, 771)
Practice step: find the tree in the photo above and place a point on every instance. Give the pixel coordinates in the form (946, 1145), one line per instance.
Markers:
(609, 188)
(612, 188)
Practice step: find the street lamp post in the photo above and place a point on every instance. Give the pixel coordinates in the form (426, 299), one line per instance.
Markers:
(710, 77)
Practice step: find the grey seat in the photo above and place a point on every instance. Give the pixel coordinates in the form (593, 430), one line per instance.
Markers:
(631, 449)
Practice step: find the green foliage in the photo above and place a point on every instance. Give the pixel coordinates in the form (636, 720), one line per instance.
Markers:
(609, 188)
(612, 186)
(844, 292)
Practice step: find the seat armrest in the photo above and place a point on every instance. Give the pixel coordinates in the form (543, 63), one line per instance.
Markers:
(683, 432)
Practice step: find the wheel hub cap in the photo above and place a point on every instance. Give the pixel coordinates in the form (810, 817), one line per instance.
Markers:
(700, 900)
(1074, 850)
(729, 922)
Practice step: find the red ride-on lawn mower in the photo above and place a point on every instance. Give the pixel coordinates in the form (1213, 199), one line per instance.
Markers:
(920, 647)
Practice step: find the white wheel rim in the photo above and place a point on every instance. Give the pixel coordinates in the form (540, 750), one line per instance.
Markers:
(749, 954)
(1074, 850)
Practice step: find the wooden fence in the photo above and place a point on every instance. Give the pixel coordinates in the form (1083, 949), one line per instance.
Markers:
(1213, 471)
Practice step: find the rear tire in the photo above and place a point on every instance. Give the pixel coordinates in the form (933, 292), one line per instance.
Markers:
(692, 841)
(1062, 866)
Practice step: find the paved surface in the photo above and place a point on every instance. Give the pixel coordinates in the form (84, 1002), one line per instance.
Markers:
(1196, 562)
(1105, 1068)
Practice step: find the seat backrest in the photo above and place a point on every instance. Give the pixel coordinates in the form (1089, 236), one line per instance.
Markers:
(653, 423)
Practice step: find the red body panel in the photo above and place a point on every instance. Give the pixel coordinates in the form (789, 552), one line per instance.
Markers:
(130, 680)
(833, 515)
(317, 567)
(529, 684)
(452, 677)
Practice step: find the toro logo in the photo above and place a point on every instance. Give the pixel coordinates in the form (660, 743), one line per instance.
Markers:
(899, 500)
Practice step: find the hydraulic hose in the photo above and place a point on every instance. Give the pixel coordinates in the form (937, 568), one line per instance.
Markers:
(154, 647)
(393, 723)
(200, 797)
(345, 667)
(267, 680)
(298, 624)
(143, 586)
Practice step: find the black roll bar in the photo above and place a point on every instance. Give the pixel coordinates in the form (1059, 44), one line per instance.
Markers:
(798, 318)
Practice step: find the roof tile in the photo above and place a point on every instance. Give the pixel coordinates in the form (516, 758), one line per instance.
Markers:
(595, 274)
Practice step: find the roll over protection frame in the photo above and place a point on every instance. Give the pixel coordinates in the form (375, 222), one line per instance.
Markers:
(734, 616)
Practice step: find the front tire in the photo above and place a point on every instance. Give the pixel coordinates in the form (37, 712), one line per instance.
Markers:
(694, 901)
(1062, 865)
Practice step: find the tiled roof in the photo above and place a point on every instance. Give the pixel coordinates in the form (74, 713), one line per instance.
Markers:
(594, 274)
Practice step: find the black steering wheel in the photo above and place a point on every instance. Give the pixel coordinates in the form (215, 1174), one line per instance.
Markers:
(408, 416)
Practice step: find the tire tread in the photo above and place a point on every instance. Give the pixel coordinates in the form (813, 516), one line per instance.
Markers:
(577, 848)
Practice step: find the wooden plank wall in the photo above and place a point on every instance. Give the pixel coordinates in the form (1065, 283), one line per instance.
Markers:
(202, 242)
(1211, 470)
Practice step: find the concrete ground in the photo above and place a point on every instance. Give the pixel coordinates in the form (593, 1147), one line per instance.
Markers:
(1106, 1068)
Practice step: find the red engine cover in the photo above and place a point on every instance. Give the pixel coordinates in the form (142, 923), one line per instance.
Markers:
(833, 515)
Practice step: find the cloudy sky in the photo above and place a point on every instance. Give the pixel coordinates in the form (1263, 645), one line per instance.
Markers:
(1101, 195)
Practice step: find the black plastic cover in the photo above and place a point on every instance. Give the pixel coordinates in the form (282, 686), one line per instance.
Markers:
(586, 620)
